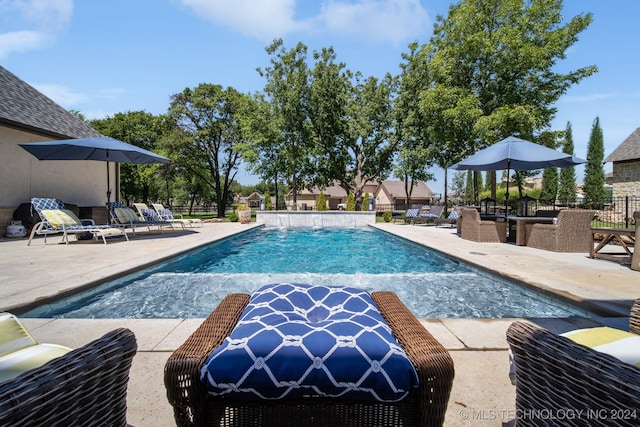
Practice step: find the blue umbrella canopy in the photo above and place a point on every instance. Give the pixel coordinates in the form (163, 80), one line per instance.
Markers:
(517, 154)
(103, 149)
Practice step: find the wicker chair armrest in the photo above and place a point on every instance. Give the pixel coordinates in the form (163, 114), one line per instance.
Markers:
(634, 318)
(87, 386)
(554, 373)
(430, 358)
(185, 392)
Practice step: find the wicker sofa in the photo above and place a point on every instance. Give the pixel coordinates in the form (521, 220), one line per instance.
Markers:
(85, 387)
(478, 230)
(558, 377)
(425, 406)
(569, 234)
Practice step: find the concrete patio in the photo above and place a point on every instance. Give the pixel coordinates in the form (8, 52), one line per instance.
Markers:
(482, 393)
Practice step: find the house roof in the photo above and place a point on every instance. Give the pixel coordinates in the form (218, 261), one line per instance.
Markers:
(395, 190)
(330, 191)
(23, 107)
(628, 150)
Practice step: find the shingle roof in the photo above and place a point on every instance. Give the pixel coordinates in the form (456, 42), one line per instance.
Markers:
(23, 107)
(396, 189)
(628, 150)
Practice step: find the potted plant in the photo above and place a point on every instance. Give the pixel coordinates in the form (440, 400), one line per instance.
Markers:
(244, 213)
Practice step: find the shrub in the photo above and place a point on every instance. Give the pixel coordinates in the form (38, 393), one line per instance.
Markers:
(351, 202)
(365, 202)
(322, 202)
(386, 216)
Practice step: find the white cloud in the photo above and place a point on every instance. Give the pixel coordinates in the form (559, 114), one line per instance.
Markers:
(264, 19)
(581, 99)
(392, 21)
(35, 23)
(62, 95)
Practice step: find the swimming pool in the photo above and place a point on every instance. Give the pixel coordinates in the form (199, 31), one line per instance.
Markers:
(190, 286)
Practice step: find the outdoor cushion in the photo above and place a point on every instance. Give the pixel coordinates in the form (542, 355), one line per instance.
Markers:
(126, 215)
(150, 215)
(453, 214)
(61, 217)
(165, 214)
(620, 344)
(297, 340)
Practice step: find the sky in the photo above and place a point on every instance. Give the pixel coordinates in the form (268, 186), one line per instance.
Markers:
(107, 57)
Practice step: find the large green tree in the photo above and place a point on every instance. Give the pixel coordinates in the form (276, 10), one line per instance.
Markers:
(503, 55)
(287, 90)
(144, 130)
(594, 191)
(567, 184)
(208, 136)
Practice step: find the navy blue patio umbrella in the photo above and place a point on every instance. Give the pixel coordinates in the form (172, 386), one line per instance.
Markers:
(517, 154)
(103, 148)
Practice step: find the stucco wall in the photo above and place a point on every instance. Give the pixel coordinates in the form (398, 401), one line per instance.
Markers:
(626, 179)
(22, 176)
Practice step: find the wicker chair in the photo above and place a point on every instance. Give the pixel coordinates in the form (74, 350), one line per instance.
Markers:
(473, 228)
(569, 234)
(85, 387)
(557, 376)
(194, 407)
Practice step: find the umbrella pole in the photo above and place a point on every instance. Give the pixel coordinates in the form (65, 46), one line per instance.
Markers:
(108, 189)
(506, 195)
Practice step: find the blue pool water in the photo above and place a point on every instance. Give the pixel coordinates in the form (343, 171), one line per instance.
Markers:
(190, 286)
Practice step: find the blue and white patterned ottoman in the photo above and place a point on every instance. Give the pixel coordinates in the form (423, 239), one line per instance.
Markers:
(296, 340)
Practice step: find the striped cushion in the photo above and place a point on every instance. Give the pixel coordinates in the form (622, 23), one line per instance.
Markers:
(126, 215)
(61, 217)
(620, 344)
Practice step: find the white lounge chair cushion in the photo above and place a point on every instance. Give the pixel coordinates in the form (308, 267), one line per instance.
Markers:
(619, 344)
(61, 217)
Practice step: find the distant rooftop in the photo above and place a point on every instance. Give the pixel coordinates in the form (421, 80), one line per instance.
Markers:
(24, 107)
(627, 151)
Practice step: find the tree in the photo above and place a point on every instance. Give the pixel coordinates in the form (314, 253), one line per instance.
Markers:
(287, 91)
(499, 57)
(144, 130)
(567, 184)
(208, 137)
(594, 191)
(322, 202)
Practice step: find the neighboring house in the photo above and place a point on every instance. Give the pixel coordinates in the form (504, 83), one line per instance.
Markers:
(253, 200)
(27, 115)
(307, 199)
(626, 166)
(387, 193)
(393, 193)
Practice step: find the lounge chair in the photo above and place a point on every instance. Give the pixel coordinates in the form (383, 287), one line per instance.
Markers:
(451, 219)
(555, 375)
(151, 217)
(424, 405)
(84, 387)
(56, 219)
(124, 217)
(570, 233)
(19, 351)
(429, 214)
(167, 215)
(473, 228)
(410, 215)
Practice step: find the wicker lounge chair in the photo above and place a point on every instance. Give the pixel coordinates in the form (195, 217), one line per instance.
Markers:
(555, 374)
(85, 387)
(571, 233)
(425, 406)
(473, 228)
(56, 219)
(166, 215)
